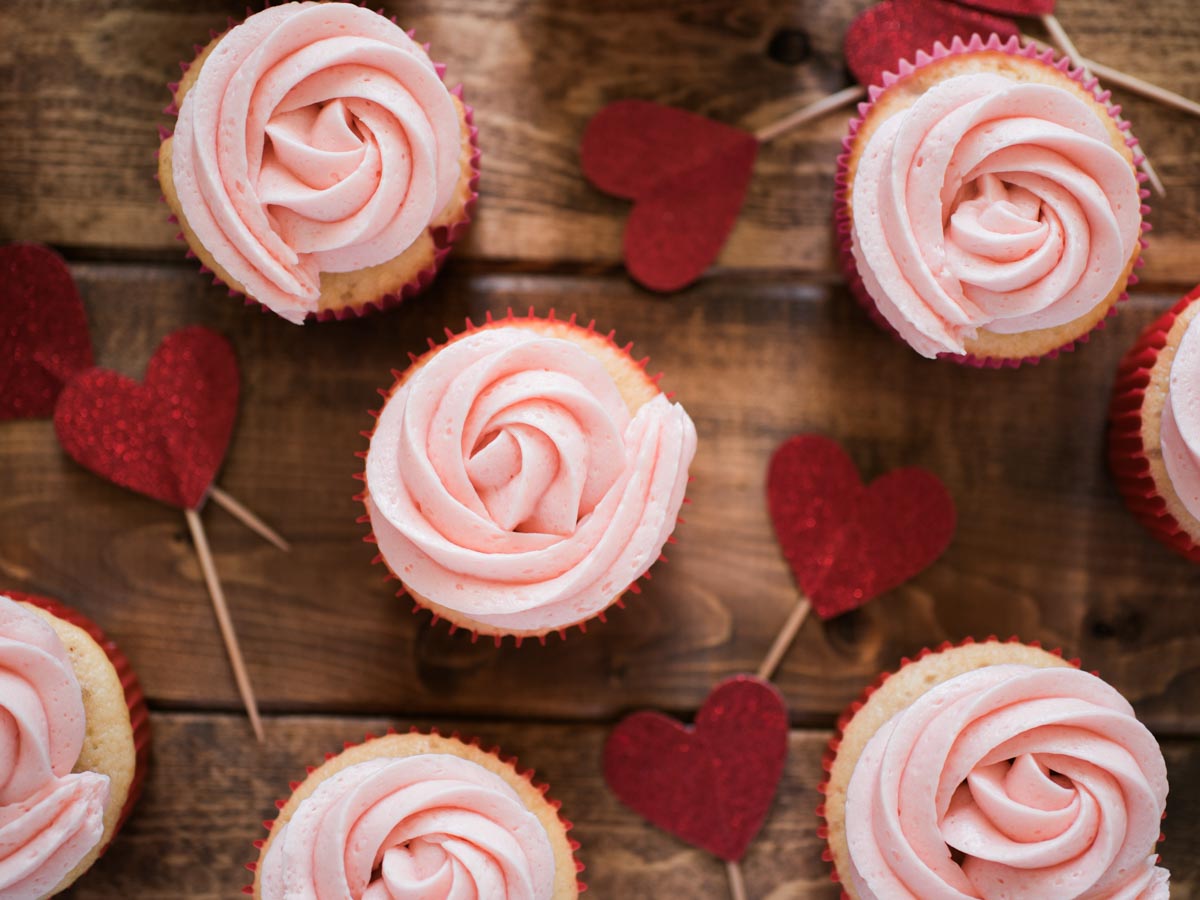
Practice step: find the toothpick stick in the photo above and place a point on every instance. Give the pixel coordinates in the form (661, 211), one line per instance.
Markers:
(215, 592)
(737, 887)
(844, 97)
(234, 507)
(1063, 42)
(784, 639)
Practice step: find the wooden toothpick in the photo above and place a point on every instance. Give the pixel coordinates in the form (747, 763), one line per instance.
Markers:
(737, 886)
(827, 104)
(217, 595)
(235, 508)
(783, 640)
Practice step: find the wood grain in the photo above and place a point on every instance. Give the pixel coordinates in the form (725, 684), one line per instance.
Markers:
(210, 788)
(82, 85)
(1044, 547)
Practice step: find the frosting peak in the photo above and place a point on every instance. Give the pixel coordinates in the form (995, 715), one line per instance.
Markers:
(1041, 781)
(992, 204)
(434, 826)
(508, 481)
(50, 819)
(318, 137)
(1181, 421)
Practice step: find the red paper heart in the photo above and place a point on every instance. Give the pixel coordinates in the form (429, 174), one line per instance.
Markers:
(43, 330)
(164, 436)
(896, 29)
(847, 542)
(711, 784)
(687, 177)
(1032, 8)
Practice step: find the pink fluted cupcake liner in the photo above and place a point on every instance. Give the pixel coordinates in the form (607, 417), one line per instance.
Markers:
(1126, 451)
(135, 699)
(841, 213)
(511, 761)
(444, 236)
(398, 375)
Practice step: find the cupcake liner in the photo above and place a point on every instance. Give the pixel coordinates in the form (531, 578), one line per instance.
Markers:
(511, 761)
(135, 699)
(444, 236)
(843, 720)
(398, 376)
(1126, 453)
(841, 213)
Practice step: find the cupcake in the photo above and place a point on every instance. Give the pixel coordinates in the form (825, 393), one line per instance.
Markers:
(989, 207)
(995, 770)
(418, 815)
(74, 743)
(1154, 441)
(319, 165)
(525, 474)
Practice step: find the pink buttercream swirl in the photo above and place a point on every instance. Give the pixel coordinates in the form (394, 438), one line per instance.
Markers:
(1180, 431)
(318, 137)
(50, 819)
(435, 826)
(508, 481)
(991, 204)
(1040, 782)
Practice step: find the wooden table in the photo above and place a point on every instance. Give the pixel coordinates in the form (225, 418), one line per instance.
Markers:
(768, 345)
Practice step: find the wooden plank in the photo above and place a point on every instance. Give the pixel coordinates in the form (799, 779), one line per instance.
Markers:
(82, 86)
(1044, 547)
(210, 788)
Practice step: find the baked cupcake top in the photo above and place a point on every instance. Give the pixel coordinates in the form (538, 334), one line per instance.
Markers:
(1009, 780)
(318, 137)
(50, 818)
(432, 826)
(990, 203)
(1181, 421)
(509, 480)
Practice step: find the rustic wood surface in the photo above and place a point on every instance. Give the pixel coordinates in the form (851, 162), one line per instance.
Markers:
(767, 346)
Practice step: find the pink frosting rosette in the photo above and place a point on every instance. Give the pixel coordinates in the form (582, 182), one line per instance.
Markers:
(508, 481)
(1009, 781)
(434, 826)
(318, 137)
(1181, 421)
(50, 819)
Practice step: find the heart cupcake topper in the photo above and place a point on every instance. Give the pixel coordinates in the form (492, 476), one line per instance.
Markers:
(847, 542)
(44, 336)
(166, 437)
(710, 784)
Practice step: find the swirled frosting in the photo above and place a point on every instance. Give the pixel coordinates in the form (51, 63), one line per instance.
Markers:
(434, 826)
(991, 204)
(318, 137)
(1180, 431)
(1041, 782)
(50, 819)
(508, 481)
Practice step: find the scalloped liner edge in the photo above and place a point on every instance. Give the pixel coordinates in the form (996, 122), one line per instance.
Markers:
(1126, 452)
(398, 375)
(512, 762)
(831, 749)
(841, 215)
(135, 697)
(444, 236)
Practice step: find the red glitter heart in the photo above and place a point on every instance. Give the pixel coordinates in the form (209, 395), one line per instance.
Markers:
(165, 436)
(848, 542)
(711, 784)
(896, 29)
(43, 330)
(687, 177)
(1032, 8)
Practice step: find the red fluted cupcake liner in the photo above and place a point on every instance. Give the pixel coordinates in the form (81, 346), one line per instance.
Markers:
(512, 762)
(444, 236)
(398, 376)
(841, 212)
(1126, 450)
(135, 699)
